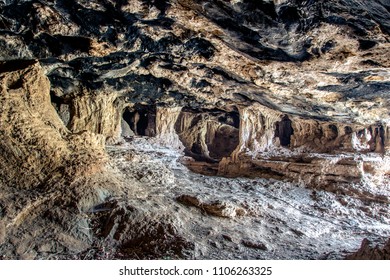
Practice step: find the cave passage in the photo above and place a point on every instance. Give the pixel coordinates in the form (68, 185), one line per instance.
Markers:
(141, 120)
(62, 108)
(208, 135)
(284, 131)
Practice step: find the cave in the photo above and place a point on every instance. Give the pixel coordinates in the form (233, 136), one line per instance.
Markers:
(127, 123)
(333, 132)
(141, 120)
(144, 129)
(208, 135)
(284, 131)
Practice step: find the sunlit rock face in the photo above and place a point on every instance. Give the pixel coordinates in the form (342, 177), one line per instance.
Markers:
(286, 90)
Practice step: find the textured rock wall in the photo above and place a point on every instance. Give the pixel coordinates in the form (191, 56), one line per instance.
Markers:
(97, 113)
(316, 59)
(35, 144)
(50, 177)
(206, 135)
(166, 134)
(370, 251)
(320, 136)
(316, 152)
(257, 129)
(261, 130)
(387, 139)
(309, 79)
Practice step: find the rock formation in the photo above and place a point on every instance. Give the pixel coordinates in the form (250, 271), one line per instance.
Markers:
(368, 251)
(317, 152)
(35, 143)
(208, 136)
(288, 91)
(47, 172)
(165, 127)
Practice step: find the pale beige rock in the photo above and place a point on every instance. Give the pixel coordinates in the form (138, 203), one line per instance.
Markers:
(35, 142)
(257, 129)
(312, 153)
(98, 113)
(45, 164)
(100, 49)
(216, 208)
(53, 21)
(165, 127)
(205, 136)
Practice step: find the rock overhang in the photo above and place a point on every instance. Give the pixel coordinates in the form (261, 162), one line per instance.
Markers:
(313, 64)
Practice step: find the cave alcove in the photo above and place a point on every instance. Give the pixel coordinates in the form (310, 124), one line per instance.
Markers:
(208, 135)
(284, 131)
(139, 120)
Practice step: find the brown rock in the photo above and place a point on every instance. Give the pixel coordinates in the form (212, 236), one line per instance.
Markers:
(254, 245)
(370, 251)
(216, 208)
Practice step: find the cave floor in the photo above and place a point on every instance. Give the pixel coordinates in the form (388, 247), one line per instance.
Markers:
(242, 218)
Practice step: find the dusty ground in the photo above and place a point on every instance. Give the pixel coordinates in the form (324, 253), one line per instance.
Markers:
(147, 205)
(240, 218)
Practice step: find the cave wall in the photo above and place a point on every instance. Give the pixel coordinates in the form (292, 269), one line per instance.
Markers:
(257, 129)
(324, 95)
(316, 152)
(98, 113)
(166, 135)
(139, 120)
(207, 135)
(35, 145)
(320, 69)
(266, 130)
(327, 137)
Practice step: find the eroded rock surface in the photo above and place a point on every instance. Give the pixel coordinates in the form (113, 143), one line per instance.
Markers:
(48, 174)
(292, 95)
(369, 251)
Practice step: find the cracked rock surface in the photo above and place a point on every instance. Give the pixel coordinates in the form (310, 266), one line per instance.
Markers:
(240, 129)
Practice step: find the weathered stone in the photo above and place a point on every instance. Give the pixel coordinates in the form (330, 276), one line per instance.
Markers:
(254, 245)
(369, 251)
(286, 90)
(215, 208)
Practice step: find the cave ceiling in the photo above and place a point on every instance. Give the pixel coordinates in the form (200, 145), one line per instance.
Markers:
(325, 60)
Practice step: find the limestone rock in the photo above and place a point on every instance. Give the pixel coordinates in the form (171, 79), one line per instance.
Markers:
(35, 142)
(254, 245)
(47, 171)
(215, 208)
(165, 127)
(137, 234)
(368, 251)
(291, 91)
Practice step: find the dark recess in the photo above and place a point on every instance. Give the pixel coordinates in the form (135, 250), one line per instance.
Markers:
(284, 131)
(15, 65)
(142, 120)
(366, 44)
